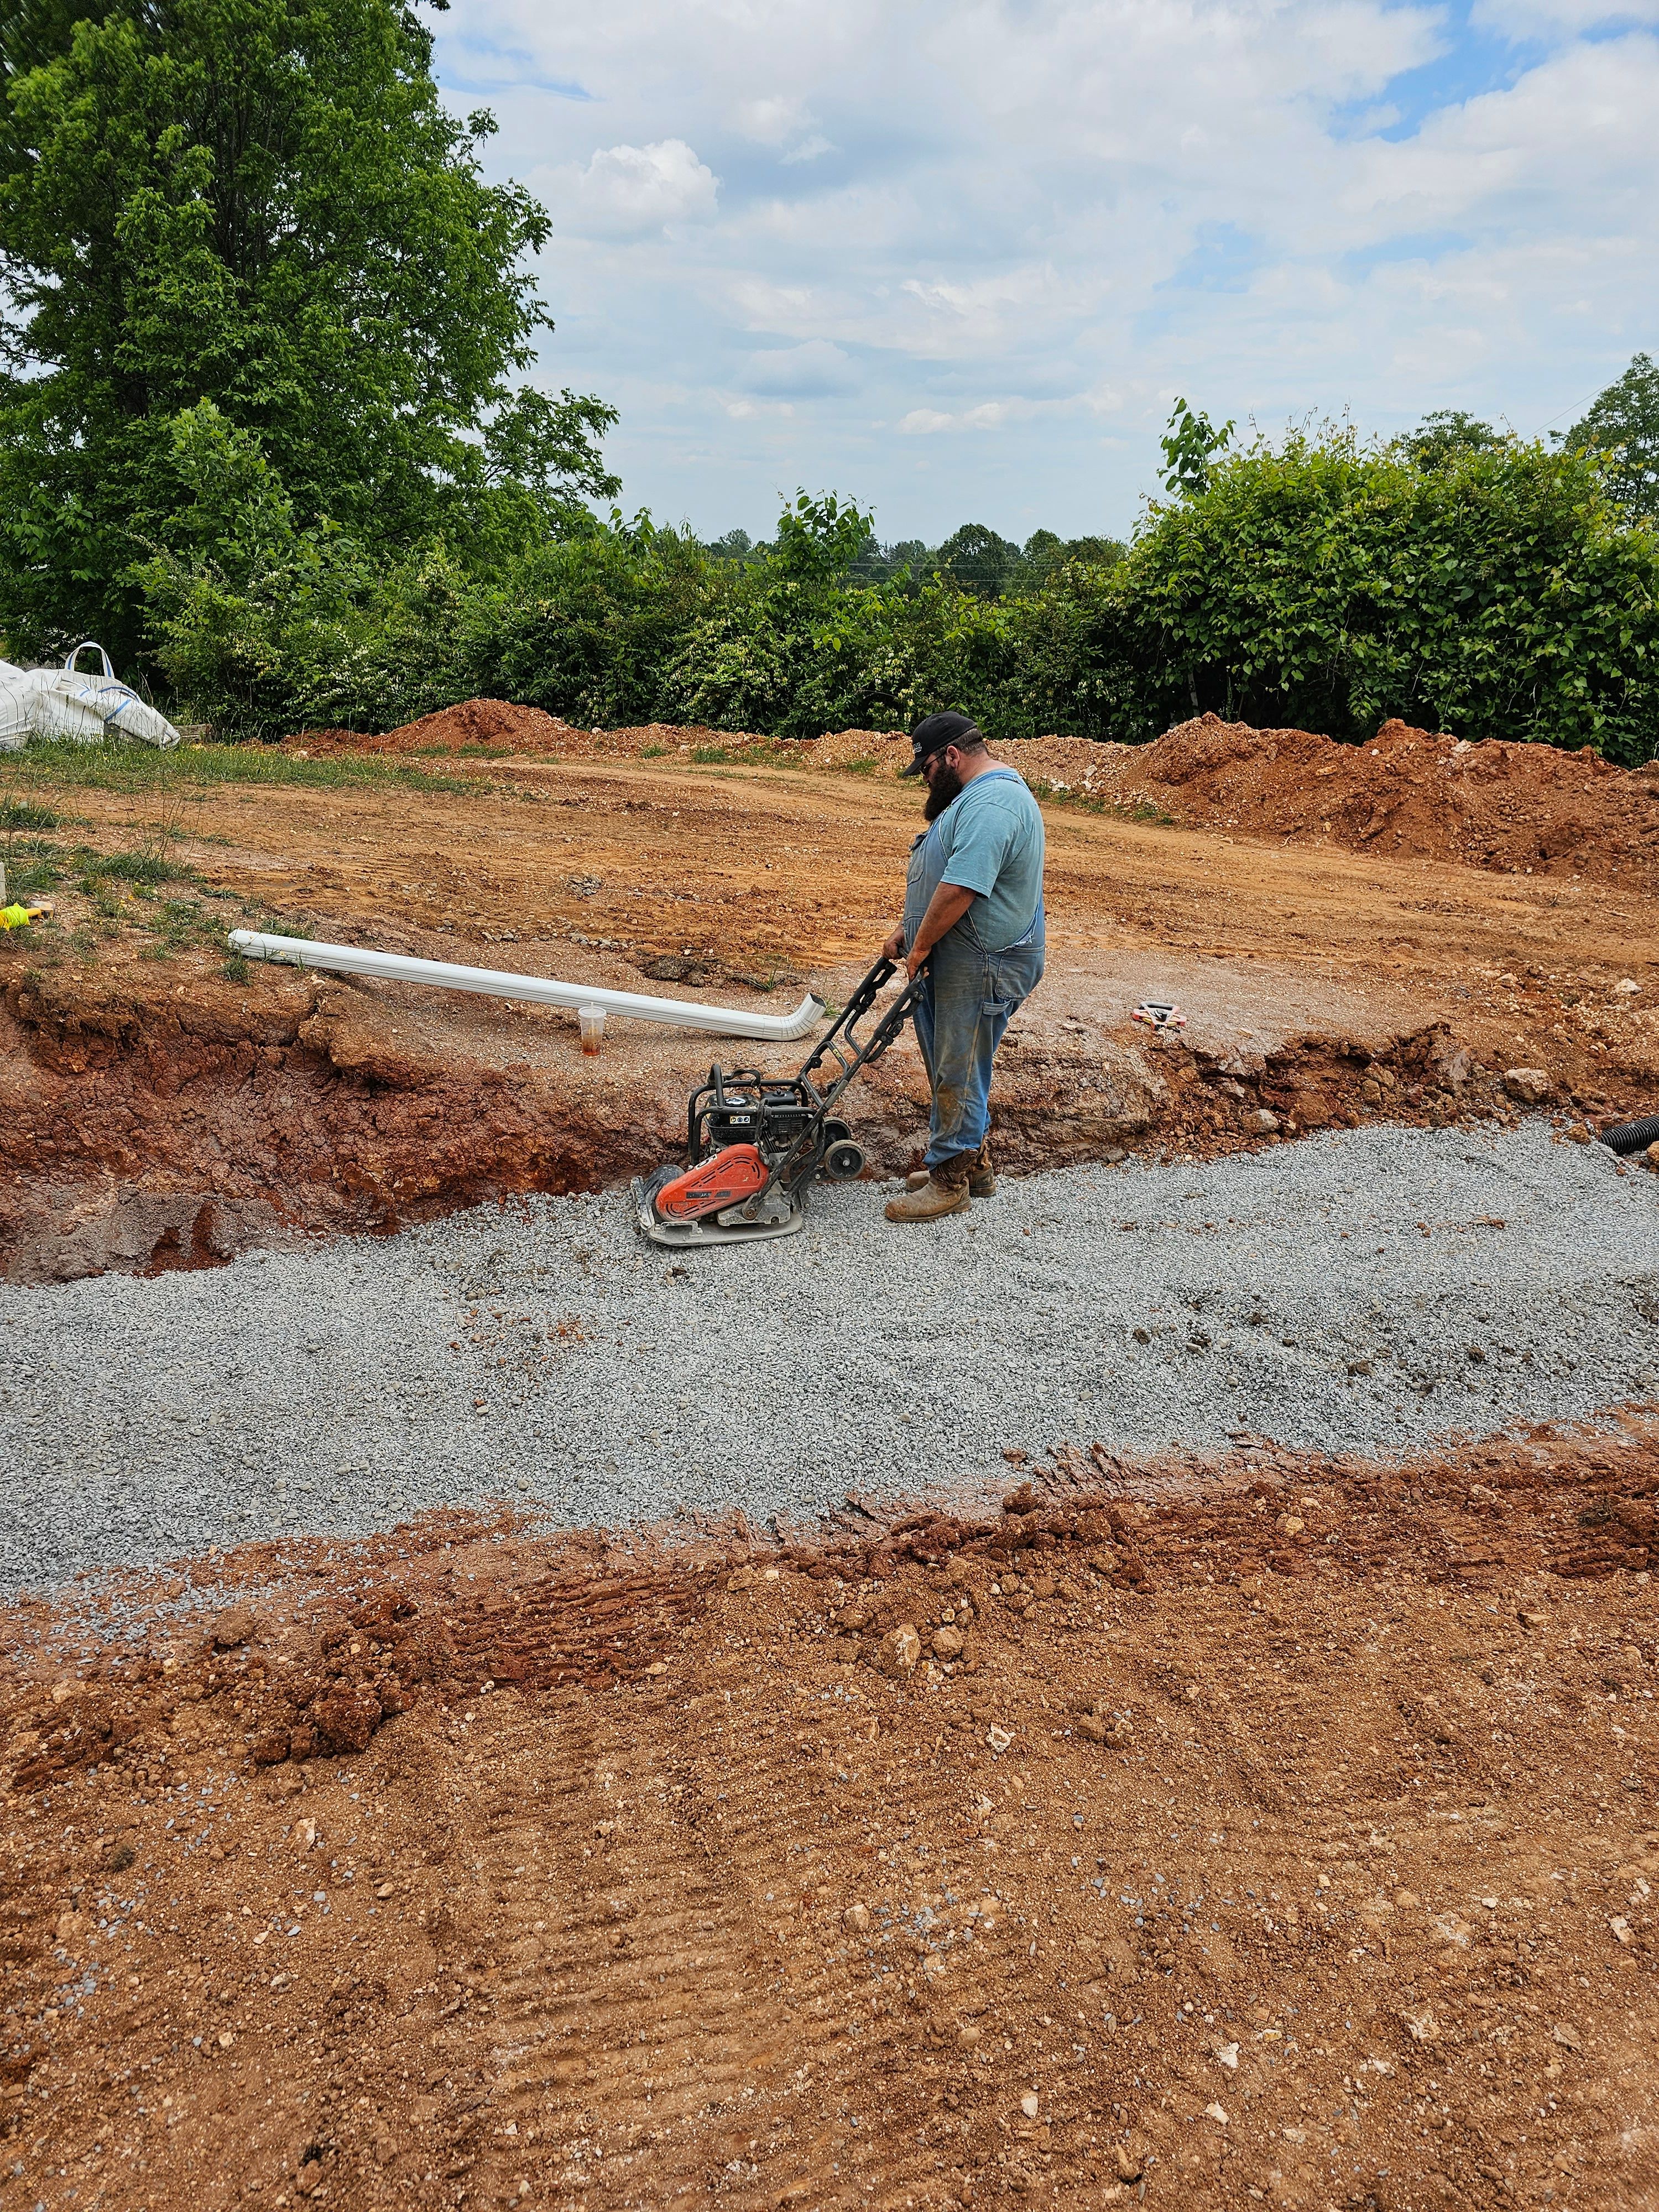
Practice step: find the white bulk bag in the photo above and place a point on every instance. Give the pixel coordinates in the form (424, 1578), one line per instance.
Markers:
(16, 697)
(53, 702)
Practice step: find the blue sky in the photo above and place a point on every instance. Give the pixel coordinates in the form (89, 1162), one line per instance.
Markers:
(958, 260)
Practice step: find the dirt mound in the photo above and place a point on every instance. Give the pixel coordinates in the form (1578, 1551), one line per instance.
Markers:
(496, 724)
(1411, 794)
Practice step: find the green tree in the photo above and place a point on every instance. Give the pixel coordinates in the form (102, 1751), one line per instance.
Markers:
(1329, 585)
(757, 660)
(262, 203)
(1046, 552)
(911, 553)
(1624, 426)
(1190, 443)
(1446, 435)
(735, 545)
(977, 560)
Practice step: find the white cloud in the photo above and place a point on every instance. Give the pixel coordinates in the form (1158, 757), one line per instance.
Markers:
(989, 415)
(772, 122)
(1031, 220)
(784, 123)
(802, 371)
(1522, 19)
(627, 192)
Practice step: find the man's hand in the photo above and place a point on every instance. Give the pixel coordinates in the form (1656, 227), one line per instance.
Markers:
(893, 946)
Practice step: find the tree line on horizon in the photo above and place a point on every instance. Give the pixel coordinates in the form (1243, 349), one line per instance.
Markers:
(974, 557)
(266, 429)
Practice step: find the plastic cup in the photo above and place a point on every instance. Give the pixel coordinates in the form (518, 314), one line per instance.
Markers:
(592, 1019)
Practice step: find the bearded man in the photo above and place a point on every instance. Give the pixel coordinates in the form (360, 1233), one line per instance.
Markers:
(973, 923)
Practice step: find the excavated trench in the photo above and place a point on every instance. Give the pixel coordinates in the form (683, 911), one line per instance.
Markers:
(171, 1120)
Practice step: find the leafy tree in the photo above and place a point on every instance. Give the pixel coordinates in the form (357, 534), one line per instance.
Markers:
(261, 202)
(1190, 444)
(911, 553)
(978, 560)
(1328, 585)
(905, 562)
(1624, 426)
(1448, 433)
(752, 662)
(1096, 552)
(1045, 552)
(735, 545)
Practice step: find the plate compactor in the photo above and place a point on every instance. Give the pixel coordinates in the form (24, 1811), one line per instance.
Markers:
(754, 1142)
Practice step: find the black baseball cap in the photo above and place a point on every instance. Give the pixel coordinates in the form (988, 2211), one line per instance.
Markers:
(936, 731)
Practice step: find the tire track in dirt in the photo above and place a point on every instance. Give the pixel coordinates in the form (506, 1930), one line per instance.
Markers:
(679, 1930)
(652, 2011)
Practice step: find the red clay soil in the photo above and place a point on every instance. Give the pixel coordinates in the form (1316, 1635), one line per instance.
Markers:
(1409, 795)
(496, 725)
(166, 1118)
(1277, 1829)
(159, 1123)
(1530, 809)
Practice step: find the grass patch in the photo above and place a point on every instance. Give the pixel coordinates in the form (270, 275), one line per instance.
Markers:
(181, 922)
(655, 752)
(123, 893)
(19, 814)
(864, 765)
(32, 867)
(139, 769)
(764, 752)
(136, 867)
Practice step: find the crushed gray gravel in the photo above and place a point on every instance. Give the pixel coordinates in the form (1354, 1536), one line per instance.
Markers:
(1368, 1291)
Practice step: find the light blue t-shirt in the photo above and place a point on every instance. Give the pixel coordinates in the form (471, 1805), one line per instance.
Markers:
(989, 840)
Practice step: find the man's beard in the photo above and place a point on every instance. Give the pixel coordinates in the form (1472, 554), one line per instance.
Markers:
(945, 786)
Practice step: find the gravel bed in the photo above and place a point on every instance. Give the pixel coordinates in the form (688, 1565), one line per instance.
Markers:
(1369, 1290)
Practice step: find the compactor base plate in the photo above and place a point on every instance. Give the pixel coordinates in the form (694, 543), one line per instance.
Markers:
(680, 1235)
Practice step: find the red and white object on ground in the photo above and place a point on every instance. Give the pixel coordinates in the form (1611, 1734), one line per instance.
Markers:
(1159, 1016)
(737, 1172)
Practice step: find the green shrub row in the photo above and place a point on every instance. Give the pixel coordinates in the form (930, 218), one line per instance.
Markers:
(1497, 592)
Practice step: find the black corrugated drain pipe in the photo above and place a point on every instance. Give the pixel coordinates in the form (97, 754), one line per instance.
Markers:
(1628, 1137)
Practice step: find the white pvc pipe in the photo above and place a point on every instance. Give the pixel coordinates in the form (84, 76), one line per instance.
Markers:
(498, 983)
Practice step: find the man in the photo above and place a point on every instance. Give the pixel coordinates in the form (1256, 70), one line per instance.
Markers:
(973, 920)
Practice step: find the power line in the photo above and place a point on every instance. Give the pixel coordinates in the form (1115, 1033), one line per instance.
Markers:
(1572, 410)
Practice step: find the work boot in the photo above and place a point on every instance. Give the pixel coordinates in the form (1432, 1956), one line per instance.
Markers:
(981, 1181)
(933, 1198)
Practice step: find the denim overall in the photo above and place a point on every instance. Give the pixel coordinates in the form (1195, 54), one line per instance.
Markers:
(968, 997)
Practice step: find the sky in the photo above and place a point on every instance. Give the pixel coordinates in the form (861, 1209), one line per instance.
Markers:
(956, 259)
